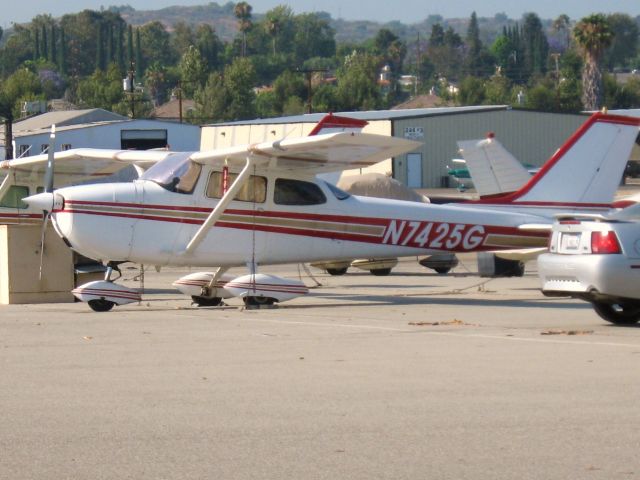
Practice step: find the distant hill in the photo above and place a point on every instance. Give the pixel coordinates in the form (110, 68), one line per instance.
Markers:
(222, 18)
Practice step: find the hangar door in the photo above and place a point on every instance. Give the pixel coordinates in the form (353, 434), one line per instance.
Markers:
(143, 139)
(414, 170)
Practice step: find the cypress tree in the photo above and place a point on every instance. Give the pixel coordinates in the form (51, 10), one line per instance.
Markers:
(43, 49)
(53, 56)
(118, 53)
(138, 56)
(36, 45)
(99, 48)
(62, 57)
(129, 45)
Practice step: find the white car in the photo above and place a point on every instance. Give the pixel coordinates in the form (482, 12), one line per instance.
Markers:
(596, 259)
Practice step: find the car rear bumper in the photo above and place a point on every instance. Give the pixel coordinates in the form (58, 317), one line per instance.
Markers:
(589, 276)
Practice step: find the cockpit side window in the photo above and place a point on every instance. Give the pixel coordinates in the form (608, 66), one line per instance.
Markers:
(254, 190)
(13, 197)
(297, 192)
(176, 173)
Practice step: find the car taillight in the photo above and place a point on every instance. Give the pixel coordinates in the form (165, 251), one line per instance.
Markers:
(604, 242)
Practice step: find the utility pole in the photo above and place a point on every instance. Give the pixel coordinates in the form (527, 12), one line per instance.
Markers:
(129, 87)
(308, 73)
(180, 100)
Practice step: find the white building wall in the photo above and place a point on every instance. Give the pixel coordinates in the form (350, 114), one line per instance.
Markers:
(180, 137)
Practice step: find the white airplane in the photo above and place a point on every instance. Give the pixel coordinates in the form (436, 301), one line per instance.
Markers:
(263, 204)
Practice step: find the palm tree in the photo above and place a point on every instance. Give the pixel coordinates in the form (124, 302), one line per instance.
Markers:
(242, 11)
(593, 35)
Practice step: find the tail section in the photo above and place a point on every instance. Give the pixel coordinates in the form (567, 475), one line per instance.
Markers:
(586, 170)
(493, 169)
(331, 123)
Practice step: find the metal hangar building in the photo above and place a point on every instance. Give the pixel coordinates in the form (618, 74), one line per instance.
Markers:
(531, 136)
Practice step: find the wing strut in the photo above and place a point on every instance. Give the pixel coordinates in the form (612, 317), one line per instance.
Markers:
(217, 212)
(6, 183)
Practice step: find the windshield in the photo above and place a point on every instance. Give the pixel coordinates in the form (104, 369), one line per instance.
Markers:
(176, 173)
(339, 193)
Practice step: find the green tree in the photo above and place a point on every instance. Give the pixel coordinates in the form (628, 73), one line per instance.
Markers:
(286, 86)
(535, 46)
(471, 91)
(474, 47)
(593, 35)
(209, 46)
(561, 26)
(314, 37)
(193, 71)
(103, 89)
(229, 96)
(155, 45)
(242, 11)
(624, 45)
(182, 37)
(278, 24)
(357, 85)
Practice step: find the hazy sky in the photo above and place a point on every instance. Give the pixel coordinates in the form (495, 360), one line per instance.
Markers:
(407, 11)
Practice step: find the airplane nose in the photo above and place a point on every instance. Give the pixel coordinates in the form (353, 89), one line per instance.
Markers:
(46, 201)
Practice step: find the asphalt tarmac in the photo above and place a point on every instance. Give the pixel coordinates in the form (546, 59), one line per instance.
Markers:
(411, 376)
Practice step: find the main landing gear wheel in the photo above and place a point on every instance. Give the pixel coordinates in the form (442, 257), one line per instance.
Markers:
(442, 270)
(100, 305)
(381, 272)
(337, 271)
(258, 301)
(206, 302)
(618, 313)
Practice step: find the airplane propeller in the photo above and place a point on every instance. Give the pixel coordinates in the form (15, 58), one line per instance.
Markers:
(48, 189)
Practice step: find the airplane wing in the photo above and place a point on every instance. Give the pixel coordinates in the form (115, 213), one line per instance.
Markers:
(314, 154)
(493, 169)
(80, 164)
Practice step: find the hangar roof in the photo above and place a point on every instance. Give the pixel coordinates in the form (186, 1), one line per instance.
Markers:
(369, 115)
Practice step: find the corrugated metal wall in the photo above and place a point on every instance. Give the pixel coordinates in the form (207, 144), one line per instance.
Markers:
(531, 137)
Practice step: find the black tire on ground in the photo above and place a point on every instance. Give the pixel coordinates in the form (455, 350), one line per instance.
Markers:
(442, 270)
(100, 305)
(337, 271)
(257, 301)
(206, 302)
(618, 314)
(380, 272)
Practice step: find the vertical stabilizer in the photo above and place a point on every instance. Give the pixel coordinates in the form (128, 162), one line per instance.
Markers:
(492, 168)
(587, 169)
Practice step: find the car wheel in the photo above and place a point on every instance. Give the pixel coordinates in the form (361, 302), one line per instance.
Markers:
(206, 302)
(337, 271)
(618, 313)
(380, 272)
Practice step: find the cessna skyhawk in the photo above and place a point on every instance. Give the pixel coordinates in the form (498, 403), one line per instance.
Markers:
(261, 204)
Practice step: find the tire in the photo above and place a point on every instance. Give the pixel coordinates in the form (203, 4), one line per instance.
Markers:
(337, 271)
(258, 301)
(100, 305)
(206, 302)
(380, 272)
(618, 313)
(442, 270)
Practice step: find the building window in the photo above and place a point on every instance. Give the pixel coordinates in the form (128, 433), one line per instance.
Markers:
(23, 150)
(65, 146)
(44, 148)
